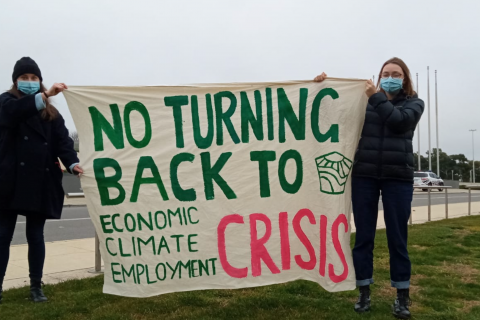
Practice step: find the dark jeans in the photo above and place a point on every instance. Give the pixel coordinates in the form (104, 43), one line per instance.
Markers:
(36, 244)
(397, 204)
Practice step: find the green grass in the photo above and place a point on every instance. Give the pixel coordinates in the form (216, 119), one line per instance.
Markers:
(445, 285)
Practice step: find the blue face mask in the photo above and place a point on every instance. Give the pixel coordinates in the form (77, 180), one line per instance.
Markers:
(391, 85)
(28, 87)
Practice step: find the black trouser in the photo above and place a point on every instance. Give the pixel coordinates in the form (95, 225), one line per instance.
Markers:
(397, 203)
(35, 239)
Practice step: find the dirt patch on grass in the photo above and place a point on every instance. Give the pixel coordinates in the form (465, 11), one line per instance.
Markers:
(419, 247)
(474, 228)
(461, 232)
(468, 305)
(414, 279)
(223, 303)
(382, 262)
(414, 289)
(384, 289)
(468, 274)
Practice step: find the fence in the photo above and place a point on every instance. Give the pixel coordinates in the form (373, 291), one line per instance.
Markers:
(430, 201)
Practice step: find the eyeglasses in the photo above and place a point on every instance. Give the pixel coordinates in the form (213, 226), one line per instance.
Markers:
(393, 75)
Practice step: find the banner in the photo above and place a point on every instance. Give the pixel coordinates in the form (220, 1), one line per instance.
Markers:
(220, 186)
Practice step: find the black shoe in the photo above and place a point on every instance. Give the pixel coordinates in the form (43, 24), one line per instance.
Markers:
(1, 296)
(36, 292)
(363, 302)
(402, 304)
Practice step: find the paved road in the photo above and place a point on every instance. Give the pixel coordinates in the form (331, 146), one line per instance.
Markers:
(421, 198)
(76, 223)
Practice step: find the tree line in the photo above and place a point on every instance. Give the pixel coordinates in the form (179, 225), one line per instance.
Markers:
(458, 163)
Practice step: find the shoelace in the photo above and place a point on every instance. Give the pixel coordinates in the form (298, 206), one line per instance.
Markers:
(363, 298)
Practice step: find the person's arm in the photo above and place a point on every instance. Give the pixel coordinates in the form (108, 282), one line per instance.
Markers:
(40, 101)
(65, 149)
(399, 120)
(13, 110)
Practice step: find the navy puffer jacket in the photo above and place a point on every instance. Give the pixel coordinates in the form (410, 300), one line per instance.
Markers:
(385, 150)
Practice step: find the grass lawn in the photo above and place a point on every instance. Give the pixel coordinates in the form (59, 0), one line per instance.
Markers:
(445, 285)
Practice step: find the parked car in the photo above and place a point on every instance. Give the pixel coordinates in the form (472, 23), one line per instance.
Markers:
(427, 178)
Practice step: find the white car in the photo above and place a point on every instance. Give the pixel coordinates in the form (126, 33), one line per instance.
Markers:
(425, 178)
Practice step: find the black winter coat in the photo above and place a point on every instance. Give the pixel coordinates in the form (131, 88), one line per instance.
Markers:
(385, 150)
(30, 174)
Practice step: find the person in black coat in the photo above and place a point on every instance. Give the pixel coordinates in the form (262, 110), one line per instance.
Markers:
(384, 165)
(33, 138)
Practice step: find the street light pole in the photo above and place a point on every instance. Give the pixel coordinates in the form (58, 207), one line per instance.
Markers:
(418, 136)
(473, 150)
(428, 110)
(436, 116)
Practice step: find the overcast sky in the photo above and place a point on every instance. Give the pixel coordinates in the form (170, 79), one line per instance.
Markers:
(178, 42)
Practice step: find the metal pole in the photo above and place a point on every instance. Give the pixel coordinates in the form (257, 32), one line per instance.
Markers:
(429, 205)
(473, 151)
(469, 201)
(418, 136)
(446, 203)
(98, 256)
(436, 118)
(428, 110)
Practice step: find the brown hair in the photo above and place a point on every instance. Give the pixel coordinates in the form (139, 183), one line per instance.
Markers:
(407, 81)
(49, 113)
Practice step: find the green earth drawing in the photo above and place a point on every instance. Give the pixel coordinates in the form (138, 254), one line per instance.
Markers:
(333, 170)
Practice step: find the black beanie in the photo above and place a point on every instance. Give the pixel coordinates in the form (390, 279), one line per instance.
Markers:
(26, 65)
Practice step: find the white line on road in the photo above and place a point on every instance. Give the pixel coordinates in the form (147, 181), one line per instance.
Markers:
(478, 196)
(61, 220)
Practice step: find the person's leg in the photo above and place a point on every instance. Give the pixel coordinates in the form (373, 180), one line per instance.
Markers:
(365, 196)
(7, 228)
(36, 256)
(397, 202)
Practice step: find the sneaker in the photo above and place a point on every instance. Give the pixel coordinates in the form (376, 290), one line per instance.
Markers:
(363, 302)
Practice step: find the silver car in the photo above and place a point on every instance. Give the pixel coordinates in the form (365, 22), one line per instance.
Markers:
(426, 178)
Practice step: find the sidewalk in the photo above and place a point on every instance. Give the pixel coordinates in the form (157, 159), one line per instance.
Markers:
(65, 260)
(70, 202)
(75, 259)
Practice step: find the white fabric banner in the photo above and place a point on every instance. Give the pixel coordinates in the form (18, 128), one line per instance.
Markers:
(220, 186)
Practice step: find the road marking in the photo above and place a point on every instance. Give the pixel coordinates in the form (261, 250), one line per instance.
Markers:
(61, 220)
(456, 197)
